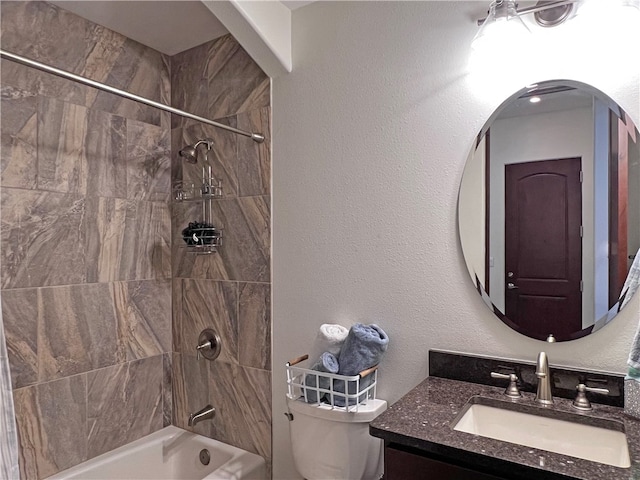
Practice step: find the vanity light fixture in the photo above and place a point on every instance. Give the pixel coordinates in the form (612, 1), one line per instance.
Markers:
(502, 22)
(547, 13)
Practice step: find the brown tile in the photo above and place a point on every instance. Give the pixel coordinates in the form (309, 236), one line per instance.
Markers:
(165, 119)
(127, 240)
(147, 241)
(177, 143)
(167, 389)
(18, 140)
(137, 69)
(124, 403)
(149, 177)
(144, 139)
(143, 315)
(27, 78)
(105, 226)
(236, 82)
(80, 150)
(20, 317)
(105, 147)
(62, 43)
(242, 397)
(189, 82)
(51, 420)
(44, 32)
(47, 33)
(77, 330)
(254, 159)
(246, 241)
(107, 46)
(165, 86)
(190, 391)
(254, 332)
(42, 238)
(176, 306)
(62, 160)
(209, 304)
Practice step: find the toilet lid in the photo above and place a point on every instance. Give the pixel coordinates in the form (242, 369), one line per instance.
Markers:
(366, 411)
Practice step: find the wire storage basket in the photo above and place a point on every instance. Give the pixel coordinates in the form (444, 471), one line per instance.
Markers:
(210, 188)
(201, 237)
(346, 392)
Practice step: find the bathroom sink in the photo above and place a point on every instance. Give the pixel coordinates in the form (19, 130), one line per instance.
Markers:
(590, 438)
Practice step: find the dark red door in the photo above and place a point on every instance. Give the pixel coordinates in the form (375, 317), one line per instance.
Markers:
(543, 247)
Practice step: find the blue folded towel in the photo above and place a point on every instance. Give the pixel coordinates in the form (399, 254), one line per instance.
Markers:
(363, 348)
(327, 363)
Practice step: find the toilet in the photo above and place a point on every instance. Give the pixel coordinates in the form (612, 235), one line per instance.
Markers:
(333, 443)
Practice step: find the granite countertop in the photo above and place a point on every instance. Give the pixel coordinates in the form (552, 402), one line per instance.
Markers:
(423, 419)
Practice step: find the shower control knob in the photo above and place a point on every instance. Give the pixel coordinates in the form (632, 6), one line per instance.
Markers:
(209, 345)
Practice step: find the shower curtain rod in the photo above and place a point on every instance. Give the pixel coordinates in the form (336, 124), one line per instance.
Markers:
(256, 137)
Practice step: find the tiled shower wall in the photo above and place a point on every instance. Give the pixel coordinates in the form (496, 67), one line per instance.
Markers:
(85, 244)
(86, 251)
(229, 291)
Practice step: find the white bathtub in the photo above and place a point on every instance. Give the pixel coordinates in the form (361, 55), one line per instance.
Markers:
(169, 454)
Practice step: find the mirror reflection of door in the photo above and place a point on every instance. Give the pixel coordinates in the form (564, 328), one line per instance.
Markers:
(559, 119)
(543, 247)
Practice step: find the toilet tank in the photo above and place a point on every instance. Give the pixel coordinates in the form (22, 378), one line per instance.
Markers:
(333, 443)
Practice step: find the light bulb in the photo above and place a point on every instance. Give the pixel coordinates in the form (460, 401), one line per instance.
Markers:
(503, 31)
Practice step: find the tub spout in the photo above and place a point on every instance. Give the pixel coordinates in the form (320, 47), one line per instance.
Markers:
(207, 413)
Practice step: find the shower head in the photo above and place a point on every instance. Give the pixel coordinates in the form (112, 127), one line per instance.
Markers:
(190, 152)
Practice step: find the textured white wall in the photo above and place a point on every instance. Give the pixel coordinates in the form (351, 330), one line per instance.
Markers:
(370, 134)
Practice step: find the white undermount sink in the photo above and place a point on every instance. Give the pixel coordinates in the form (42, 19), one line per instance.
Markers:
(604, 444)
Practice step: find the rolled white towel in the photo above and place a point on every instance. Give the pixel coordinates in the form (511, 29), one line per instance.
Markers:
(329, 338)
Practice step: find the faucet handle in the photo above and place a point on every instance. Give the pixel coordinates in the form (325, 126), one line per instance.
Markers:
(209, 345)
(512, 390)
(581, 401)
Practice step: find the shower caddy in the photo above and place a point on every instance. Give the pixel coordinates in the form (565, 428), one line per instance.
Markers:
(204, 238)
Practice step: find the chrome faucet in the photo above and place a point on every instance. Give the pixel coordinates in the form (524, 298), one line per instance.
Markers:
(543, 396)
(207, 413)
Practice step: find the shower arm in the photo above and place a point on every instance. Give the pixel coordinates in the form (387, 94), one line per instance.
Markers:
(256, 137)
(207, 141)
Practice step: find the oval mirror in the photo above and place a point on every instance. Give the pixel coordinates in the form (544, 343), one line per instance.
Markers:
(549, 210)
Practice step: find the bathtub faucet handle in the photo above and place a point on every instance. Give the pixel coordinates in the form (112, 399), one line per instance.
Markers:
(209, 345)
(207, 413)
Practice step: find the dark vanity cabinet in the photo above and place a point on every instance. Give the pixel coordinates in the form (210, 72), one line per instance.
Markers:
(421, 442)
(403, 463)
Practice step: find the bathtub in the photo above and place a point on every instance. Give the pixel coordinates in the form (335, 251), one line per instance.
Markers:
(170, 454)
